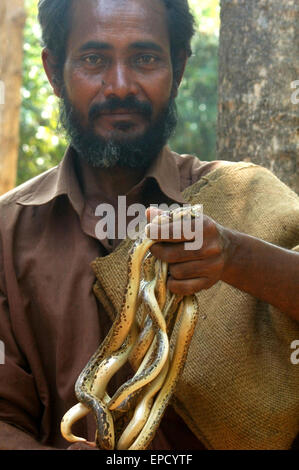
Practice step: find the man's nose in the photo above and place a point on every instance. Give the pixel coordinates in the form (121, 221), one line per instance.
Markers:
(119, 82)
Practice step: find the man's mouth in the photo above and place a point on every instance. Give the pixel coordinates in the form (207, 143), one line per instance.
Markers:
(129, 108)
(121, 119)
(120, 112)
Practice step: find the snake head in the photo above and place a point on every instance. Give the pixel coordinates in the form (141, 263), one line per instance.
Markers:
(186, 211)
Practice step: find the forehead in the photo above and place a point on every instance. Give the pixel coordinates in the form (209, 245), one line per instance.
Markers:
(118, 21)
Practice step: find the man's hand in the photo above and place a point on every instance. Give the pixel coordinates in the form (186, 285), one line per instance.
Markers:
(189, 270)
(266, 271)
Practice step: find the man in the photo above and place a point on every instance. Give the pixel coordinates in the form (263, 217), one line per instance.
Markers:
(117, 67)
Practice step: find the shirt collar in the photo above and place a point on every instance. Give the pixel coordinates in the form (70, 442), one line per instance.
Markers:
(53, 183)
(62, 180)
(166, 172)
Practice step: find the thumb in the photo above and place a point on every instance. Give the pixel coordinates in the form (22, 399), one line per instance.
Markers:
(151, 213)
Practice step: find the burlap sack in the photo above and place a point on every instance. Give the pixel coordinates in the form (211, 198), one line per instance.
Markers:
(239, 388)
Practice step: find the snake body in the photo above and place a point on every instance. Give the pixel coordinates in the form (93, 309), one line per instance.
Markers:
(142, 411)
(148, 350)
(97, 398)
(189, 314)
(143, 343)
(147, 334)
(150, 373)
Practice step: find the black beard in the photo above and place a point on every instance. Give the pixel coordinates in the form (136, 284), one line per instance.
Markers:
(137, 152)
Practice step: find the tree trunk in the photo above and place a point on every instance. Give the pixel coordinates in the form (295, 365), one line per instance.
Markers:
(259, 85)
(12, 19)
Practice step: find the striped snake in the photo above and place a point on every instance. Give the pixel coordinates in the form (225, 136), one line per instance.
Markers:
(147, 394)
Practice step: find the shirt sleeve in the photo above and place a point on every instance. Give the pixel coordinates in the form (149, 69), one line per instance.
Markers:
(19, 402)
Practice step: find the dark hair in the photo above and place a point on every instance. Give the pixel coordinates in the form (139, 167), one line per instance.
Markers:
(55, 20)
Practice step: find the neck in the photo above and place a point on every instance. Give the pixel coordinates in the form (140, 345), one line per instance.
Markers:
(112, 182)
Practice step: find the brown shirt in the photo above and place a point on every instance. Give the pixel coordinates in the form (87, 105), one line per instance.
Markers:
(50, 320)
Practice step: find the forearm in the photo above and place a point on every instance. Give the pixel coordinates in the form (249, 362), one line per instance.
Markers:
(12, 438)
(263, 270)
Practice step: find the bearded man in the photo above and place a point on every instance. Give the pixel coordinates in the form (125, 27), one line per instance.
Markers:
(116, 66)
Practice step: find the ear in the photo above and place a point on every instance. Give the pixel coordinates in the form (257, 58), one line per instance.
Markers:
(179, 70)
(49, 66)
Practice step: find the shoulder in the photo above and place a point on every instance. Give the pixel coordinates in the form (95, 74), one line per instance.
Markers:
(192, 169)
(38, 185)
(242, 181)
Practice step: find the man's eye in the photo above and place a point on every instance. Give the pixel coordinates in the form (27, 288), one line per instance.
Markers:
(146, 59)
(94, 59)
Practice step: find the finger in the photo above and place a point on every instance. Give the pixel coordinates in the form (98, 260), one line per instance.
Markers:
(189, 286)
(152, 212)
(162, 229)
(208, 268)
(171, 252)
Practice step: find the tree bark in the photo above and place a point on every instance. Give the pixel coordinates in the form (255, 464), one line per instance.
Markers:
(12, 19)
(258, 117)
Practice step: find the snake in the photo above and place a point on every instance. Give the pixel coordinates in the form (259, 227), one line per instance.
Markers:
(149, 373)
(98, 398)
(189, 314)
(147, 334)
(142, 411)
(157, 374)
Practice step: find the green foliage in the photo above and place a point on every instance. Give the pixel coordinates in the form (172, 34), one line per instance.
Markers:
(197, 101)
(41, 146)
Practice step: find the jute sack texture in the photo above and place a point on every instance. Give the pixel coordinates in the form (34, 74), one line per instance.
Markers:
(239, 388)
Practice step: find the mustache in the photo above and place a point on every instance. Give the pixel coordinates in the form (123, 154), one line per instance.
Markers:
(130, 103)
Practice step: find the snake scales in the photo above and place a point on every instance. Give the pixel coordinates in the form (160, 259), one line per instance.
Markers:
(143, 399)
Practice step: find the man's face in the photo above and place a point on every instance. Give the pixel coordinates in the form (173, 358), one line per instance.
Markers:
(118, 77)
